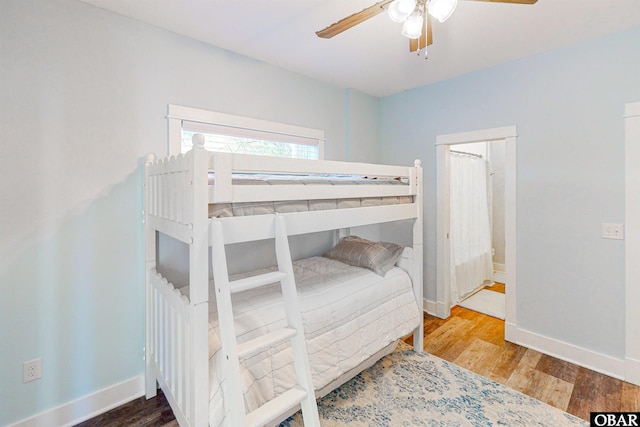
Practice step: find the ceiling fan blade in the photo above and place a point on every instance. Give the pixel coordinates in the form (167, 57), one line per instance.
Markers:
(353, 20)
(413, 45)
(509, 1)
(426, 37)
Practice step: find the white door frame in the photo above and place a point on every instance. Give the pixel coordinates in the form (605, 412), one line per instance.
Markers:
(443, 143)
(632, 242)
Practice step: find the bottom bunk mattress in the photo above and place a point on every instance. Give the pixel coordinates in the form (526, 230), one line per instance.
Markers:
(349, 315)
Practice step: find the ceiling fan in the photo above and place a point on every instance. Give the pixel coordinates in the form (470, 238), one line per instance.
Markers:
(414, 14)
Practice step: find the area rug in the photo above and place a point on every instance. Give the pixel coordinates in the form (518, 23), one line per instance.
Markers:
(487, 302)
(411, 389)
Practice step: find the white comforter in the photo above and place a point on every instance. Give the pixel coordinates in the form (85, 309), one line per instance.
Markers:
(349, 314)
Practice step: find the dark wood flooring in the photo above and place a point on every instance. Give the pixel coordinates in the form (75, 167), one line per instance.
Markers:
(475, 342)
(140, 412)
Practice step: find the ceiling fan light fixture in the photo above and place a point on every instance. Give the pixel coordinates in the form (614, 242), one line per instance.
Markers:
(412, 27)
(395, 13)
(406, 6)
(441, 9)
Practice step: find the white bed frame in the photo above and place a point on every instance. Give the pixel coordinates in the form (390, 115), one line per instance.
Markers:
(177, 194)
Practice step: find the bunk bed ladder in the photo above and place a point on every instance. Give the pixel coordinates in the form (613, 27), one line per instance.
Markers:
(302, 393)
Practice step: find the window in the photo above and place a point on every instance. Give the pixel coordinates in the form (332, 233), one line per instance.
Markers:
(236, 134)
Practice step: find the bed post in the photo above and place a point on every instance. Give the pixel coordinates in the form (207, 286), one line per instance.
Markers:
(417, 264)
(341, 233)
(151, 385)
(199, 284)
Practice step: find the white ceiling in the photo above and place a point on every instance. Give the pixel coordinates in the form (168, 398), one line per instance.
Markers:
(373, 57)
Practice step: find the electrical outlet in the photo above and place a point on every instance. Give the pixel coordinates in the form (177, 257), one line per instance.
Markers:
(612, 231)
(32, 369)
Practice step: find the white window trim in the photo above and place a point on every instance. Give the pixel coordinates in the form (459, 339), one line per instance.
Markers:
(632, 242)
(177, 113)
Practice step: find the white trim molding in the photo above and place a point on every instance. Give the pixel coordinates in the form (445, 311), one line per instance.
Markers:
(499, 276)
(430, 307)
(492, 134)
(499, 273)
(499, 267)
(589, 359)
(177, 113)
(89, 406)
(632, 242)
(632, 109)
(443, 142)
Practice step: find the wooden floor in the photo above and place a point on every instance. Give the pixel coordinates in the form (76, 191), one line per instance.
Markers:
(475, 342)
(140, 412)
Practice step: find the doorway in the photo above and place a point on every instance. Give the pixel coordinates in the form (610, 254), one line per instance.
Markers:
(444, 145)
(476, 197)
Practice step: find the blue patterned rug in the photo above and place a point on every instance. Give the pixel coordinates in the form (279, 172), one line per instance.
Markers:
(410, 389)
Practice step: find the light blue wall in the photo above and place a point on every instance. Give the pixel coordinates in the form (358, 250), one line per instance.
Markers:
(361, 137)
(84, 98)
(568, 108)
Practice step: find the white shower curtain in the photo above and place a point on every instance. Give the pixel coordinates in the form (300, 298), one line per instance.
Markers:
(471, 259)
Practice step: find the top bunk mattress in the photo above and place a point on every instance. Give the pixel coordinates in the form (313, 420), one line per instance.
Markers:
(312, 179)
(223, 210)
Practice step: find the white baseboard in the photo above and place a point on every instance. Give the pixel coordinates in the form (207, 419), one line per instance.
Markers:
(436, 309)
(430, 307)
(88, 406)
(589, 359)
(510, 332)
(499, 273)
(632, 371)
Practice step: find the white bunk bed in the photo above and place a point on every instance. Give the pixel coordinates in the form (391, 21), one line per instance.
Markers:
(181, 193)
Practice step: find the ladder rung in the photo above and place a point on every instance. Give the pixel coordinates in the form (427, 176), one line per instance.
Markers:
(278, 406)
(256, 345)
(256, 281)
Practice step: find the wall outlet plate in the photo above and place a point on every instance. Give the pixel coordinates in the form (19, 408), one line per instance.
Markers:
(32, 369)
(612, 231)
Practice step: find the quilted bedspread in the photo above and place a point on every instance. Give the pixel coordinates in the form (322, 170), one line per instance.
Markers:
(349, 314)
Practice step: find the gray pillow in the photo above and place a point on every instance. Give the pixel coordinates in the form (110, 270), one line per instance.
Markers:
(378, 257)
